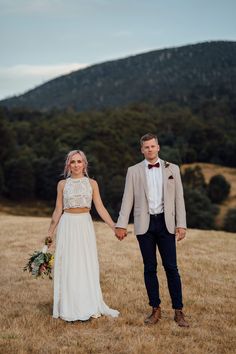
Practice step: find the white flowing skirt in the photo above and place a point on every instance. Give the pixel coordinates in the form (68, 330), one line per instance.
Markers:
(77, 292)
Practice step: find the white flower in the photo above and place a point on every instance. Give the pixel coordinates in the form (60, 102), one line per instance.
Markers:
(45, 249)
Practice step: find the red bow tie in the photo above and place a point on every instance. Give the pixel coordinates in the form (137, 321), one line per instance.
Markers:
(155, 165)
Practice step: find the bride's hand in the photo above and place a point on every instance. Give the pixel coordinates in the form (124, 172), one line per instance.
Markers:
(48, 241)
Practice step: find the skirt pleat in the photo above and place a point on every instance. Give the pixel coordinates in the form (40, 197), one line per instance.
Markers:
(77, 291)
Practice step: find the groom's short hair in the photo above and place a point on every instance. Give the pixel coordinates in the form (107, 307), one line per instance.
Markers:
(147, 137)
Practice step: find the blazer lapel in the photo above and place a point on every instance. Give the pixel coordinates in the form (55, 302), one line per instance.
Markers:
(166, 173)
(143, 177)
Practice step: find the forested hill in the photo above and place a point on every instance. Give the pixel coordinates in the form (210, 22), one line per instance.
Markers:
(185, 74)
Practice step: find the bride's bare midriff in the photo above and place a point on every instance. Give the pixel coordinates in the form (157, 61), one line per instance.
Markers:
(77, 210)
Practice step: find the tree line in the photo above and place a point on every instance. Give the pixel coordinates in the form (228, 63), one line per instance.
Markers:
(33, 144)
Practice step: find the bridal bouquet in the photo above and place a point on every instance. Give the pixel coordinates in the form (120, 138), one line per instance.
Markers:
(40, 263)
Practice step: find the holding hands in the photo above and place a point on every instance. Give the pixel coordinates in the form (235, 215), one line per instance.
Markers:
(120, 233)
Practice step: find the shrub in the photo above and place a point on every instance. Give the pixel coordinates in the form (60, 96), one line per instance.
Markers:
(1, 180)
(230, 220)
(194, 178)
(218, 189)
(200, 211)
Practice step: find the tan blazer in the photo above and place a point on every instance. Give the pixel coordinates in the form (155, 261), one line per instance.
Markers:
(136, 194)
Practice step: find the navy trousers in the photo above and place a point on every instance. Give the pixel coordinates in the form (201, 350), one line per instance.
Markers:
(158, 236)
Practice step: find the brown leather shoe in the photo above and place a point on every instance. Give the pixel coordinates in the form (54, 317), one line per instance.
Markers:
(179, 318)
(154, 317)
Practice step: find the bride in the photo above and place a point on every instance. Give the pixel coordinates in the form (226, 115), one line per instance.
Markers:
(77, 292)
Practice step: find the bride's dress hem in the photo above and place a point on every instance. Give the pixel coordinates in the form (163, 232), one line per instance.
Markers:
(86, 318)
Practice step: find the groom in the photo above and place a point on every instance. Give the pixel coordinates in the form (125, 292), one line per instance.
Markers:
(154, 188)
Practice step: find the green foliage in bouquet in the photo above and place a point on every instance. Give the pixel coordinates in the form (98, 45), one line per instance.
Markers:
(40, 264)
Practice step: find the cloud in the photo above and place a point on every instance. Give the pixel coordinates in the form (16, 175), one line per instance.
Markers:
(20, 78)
(40, 70)
(29, 6)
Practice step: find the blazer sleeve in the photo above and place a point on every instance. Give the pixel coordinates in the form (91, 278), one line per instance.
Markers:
(179, 201)
(127, 201)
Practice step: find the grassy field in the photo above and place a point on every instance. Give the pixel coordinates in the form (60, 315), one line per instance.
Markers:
(207, 266)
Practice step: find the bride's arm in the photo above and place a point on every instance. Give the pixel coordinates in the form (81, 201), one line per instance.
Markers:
(102, 211)
(58, 209)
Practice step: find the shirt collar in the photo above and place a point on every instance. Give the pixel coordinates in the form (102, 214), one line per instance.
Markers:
(147, 162)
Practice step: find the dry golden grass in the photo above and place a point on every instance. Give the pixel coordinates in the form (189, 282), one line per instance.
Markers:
(209, 170)
(206, 262)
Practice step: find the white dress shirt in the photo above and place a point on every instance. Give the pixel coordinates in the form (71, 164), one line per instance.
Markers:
(155, 188)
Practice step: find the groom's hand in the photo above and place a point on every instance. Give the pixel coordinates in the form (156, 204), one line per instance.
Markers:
(180, 233)
(120, 233)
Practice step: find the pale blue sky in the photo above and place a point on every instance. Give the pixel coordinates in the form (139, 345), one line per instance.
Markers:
(41, 39)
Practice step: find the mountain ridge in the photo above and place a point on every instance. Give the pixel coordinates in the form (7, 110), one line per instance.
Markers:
(183, 74)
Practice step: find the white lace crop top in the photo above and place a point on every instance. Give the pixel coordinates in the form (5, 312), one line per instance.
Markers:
(77, 193)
